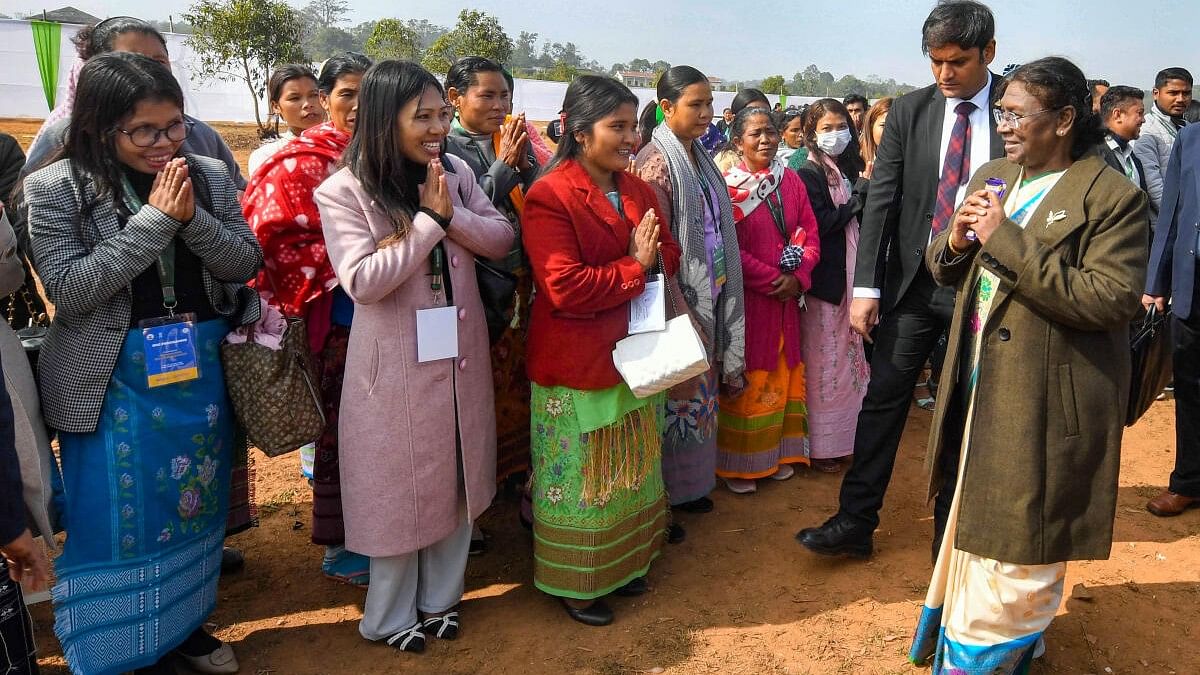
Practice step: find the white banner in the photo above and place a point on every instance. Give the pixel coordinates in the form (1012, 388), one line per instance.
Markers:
(218, 101)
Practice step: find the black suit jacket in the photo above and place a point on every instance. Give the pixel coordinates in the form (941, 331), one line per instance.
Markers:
(1115, 162)
(903, 192)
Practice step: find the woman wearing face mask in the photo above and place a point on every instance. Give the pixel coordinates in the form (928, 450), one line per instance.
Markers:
(693, 200)
(403, 224)
(763, 428)
(592, 235)
(499, 152)
(295, 99)
(837, 370)
(299, 280)
(129, 236)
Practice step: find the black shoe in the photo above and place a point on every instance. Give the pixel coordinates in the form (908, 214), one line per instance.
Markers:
(232, 560)
(676, 534)
(595, 614)
(444, 627)
(409, 640)
(478, 546)
(702, 505)
(632, 589)
(839, 536)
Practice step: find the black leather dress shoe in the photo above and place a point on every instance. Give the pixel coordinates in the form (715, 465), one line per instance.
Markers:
(701, 505)
(596, 614)
(676, 534)
(633, 589)
(232, 560)
(839, 536)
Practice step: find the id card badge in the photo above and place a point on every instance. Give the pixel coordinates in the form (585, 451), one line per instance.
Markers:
(169, 344)
(437, 334)
(648, 311)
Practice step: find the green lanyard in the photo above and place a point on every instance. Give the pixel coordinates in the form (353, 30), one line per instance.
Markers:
(166, 259)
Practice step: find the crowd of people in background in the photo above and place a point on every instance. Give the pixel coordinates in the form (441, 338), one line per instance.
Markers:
(999, 231)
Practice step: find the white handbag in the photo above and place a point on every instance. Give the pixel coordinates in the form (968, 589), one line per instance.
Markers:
(654, 362)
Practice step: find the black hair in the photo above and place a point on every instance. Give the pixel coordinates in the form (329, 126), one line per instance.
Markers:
(374, 155)
(279, 77)
(647, 122)
(738, 126)
(109, 88)
(856, 98)
(672, 82)
(346, 63)
(464, 71)
(784, 117)
(1092, 84)
(850, 162)
(589, 99)
(1057, 83)
(99, 37)
(745, 97)
(1118, 97)
(965, 23)
(1168, 74)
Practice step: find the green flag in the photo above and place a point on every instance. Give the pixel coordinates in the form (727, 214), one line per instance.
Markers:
(46, 42)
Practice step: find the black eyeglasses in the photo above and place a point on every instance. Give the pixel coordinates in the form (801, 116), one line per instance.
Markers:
(147, 135)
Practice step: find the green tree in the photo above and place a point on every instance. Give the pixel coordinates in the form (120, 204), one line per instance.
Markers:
(242, 40)
(426, 32)
(476, 34)
(327, 13)
(324, 42)
(525, 50)
(393, 39)
(774, 85)
(562, 72)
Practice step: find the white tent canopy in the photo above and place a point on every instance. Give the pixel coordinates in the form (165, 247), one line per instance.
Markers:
(21, 83)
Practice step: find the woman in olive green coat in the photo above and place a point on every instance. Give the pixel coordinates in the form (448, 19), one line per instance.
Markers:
(1036, 375)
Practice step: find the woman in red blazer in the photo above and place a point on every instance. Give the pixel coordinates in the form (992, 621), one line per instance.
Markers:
(591, 234)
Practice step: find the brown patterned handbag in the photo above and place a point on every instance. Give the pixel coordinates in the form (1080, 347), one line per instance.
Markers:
(275, 392)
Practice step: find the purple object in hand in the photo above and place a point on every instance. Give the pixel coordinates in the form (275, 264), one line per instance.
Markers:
(997, 187)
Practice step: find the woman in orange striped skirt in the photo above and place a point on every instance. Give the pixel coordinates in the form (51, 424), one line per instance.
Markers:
(763, 429)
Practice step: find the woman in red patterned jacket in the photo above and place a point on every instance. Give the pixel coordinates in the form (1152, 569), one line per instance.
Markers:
(298, 279)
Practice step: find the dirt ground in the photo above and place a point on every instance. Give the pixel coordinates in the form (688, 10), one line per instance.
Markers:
(738, 596)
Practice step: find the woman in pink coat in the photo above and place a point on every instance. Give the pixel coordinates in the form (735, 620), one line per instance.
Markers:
(403, 224)
(763, 430)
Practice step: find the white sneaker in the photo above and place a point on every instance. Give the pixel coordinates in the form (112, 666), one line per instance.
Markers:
(220, 662)
(784, 472)
(741, 486)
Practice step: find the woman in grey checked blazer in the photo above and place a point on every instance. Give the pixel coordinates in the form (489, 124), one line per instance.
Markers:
(124, 231)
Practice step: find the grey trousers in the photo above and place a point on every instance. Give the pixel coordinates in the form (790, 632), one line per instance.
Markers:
(429, 580)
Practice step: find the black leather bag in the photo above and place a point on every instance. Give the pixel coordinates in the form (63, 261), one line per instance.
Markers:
(497, 287)
(1151, 349)
(497, 292)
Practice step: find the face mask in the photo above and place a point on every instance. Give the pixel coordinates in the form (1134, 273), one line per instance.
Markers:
(833, 143)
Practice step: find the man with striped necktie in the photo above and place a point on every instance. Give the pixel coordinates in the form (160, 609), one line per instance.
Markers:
(933, 139)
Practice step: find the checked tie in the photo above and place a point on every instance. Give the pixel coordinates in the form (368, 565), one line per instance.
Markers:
(957, 168)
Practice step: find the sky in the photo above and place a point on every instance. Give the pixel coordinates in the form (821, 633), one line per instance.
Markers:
(1123, 42)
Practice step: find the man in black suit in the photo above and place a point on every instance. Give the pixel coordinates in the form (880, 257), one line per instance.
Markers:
(933, 139)
(1123, 112)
